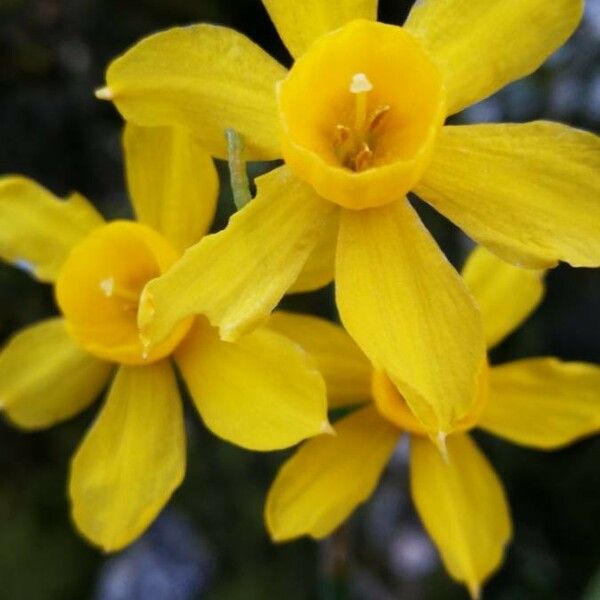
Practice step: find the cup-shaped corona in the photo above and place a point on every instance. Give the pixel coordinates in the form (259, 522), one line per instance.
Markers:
(99, 287)
(360, 111)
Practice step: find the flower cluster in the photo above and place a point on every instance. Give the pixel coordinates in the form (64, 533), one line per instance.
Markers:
(359, 121)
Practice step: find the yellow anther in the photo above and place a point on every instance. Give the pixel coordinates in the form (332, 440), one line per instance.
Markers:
(377, 118)
(363, 158)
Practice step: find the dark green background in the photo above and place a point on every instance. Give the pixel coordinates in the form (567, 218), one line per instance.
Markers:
(211, 543)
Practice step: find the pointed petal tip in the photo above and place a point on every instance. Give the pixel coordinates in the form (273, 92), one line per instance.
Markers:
(440, 442)
(327, 428)
(474, 590)
(104, 93)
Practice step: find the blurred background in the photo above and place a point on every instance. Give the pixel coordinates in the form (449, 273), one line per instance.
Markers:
(210, 542)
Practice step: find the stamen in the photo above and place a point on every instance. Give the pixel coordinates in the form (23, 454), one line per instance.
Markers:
(354, 145)
(111, 289)
(342, 134)
(363, 158)
(377, 118)
(360, 87)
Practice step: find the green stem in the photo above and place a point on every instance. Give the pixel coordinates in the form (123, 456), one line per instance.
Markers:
(240, 186)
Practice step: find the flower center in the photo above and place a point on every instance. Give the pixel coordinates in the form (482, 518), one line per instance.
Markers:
(354, 145)
(360, 112)
(99, 287)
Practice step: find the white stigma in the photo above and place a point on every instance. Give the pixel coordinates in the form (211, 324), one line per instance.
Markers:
(108, 286)
(360, 84)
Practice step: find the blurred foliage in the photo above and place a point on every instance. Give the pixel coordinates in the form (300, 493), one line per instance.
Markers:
(211, 542)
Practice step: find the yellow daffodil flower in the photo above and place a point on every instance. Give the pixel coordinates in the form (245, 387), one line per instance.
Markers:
(537, 402)
(262, 392)
(359, 120)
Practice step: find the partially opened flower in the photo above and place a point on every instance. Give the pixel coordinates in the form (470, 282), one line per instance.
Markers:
(537, 402)
(359, 120)
(262, 392)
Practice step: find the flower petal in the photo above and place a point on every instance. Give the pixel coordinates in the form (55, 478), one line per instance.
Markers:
(530, 193)
(506, 294)
(262, 392)
(319, 269)
(39, 229)
(543, 402)
(46, 378)
(172, 182)
(346, 370)
(205, 78)
(463, 507)
(410, 312)
(300, 23)
(483, 46)
(132, 458)
(329, 476)
(237, 276)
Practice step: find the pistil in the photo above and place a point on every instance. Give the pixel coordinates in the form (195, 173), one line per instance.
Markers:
(354, 146)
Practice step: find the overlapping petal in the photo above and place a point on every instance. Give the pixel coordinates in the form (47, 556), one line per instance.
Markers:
(263, 392)
(45, 377)
(506, 294)
(530, 193)
(237, 276)
(346, 370)
(483, 46)
(396, 293)
(319, 268)
(132, 458)
(463, 507)
(173, 182)
(329, 476)
(38, 229)
(205, 78)
(300, 23)
(543, 402)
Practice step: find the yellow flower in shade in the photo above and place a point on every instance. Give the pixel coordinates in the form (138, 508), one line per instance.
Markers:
(262, 392)
(537, 402)
(359, 120)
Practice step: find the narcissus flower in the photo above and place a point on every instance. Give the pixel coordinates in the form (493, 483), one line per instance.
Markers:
(262, 392)
(537, 402)
(359, 120)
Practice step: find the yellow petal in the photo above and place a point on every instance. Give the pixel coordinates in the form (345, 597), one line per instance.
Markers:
(463, 507)
(45, 377)
(262, 392)
(410, 312)
(237, 276)
(506, 294)
(300, 23)
(38, 229)
(132, 458)
(346, 370)
(530, 193)
(483, 46)
(329, 476)
(172, 181)
(543, 402)
(318, 271)
(205, 78)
